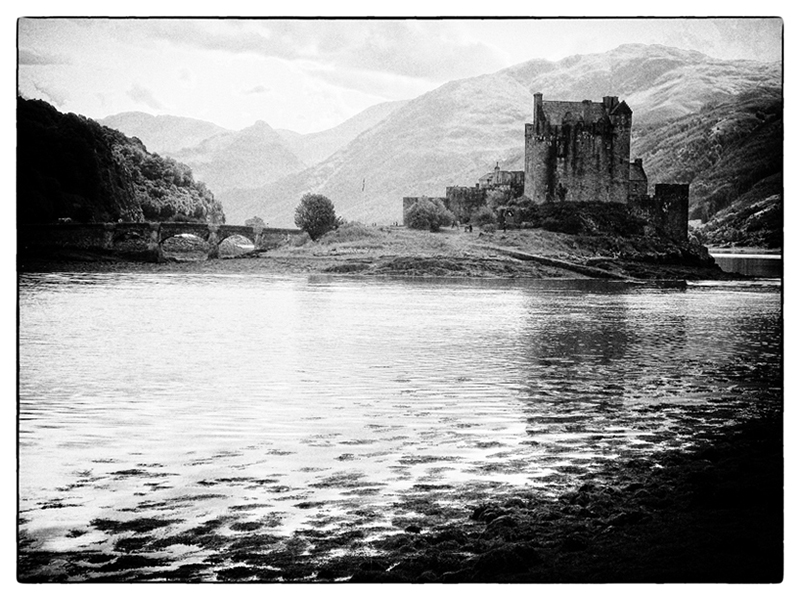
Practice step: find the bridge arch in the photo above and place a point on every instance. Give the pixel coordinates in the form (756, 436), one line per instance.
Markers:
(235, 244)
(183, 246)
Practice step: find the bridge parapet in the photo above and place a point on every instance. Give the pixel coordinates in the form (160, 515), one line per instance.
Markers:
(141, 241)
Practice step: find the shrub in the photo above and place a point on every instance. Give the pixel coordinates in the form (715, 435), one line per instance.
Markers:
(348, 232)
(299, 240)
(315, 215)
(525, 210)
(429, 213)
(483, 216)
(495, 198)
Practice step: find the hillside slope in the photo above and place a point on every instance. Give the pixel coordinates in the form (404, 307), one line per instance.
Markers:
(69, 166)
(252, 157)
(456, 133)
(163, 133)
(312, 148)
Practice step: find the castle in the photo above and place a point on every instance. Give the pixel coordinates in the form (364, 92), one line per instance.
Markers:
(578, 152)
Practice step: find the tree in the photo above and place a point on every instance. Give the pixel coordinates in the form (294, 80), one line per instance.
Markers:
(256, 222)
(315, 215)
(429, 213)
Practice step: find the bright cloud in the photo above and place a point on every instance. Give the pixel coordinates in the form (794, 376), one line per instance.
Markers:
(140, 94)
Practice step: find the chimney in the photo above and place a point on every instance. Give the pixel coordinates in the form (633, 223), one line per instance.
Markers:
(537, 105)
(610, 103)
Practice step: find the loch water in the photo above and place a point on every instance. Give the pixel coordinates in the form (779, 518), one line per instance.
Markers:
(290, 404)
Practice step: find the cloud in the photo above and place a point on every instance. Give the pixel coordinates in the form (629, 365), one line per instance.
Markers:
(430, 50)
(52, 94)
(382, 86)
(259, 89)
(26, 56)
(415, 49)
(140, 94)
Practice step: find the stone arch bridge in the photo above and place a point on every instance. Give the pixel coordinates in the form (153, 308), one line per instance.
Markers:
(143, 241)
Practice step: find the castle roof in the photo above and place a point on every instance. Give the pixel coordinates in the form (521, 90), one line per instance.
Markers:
(557, 111)
(622, 109)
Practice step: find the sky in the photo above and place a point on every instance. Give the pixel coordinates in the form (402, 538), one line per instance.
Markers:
(310, 75)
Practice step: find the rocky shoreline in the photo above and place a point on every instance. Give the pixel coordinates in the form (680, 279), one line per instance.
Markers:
(710, 515)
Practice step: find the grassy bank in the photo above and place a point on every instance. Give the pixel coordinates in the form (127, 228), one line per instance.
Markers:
(381, 251)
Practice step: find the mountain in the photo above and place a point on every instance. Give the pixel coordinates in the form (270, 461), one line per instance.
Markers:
(438, 139)
(457, 132)
(657, 82)
(312, 148)
(249, 158)
(163, 133)
(72, 167)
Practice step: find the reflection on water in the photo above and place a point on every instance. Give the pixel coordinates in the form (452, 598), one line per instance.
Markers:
(279, 404)
(754, 265)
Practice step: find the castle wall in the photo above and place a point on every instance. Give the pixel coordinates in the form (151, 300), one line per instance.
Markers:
(463, 201)
(637, 185)
(667, 210)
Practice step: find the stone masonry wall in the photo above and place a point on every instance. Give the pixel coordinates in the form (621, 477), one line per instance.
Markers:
(667, 210)
(463, 201)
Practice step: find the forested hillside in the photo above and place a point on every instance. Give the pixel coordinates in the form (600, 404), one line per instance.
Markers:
(69, 166)
(732, 155)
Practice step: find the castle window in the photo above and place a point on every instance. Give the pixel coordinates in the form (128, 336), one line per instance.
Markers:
(561, 149)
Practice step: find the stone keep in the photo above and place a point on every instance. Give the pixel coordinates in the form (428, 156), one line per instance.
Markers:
(578, 151)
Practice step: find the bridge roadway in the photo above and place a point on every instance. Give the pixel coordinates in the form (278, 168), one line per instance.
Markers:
(140, 240)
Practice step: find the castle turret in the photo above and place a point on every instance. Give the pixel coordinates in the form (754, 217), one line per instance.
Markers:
(537, 110)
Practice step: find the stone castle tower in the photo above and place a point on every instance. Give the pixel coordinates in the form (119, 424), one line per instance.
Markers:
(578, 151)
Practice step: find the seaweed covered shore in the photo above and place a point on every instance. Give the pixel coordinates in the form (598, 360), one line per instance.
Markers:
(712, 514)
